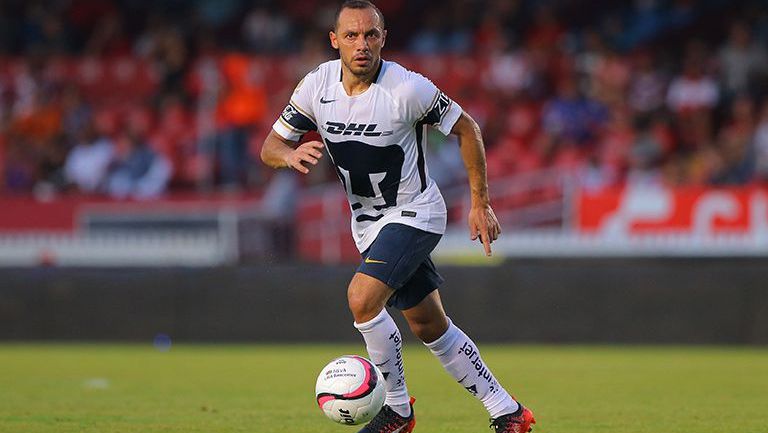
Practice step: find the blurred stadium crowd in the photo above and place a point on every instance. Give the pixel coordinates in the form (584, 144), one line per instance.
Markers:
(131, 98)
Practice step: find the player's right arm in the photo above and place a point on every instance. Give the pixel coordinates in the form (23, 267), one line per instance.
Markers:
(279, 149)
(278, 152)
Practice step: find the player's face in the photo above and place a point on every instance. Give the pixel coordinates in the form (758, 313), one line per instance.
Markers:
(359, 37)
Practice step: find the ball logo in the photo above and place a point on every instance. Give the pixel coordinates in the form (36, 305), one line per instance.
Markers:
(346, 417)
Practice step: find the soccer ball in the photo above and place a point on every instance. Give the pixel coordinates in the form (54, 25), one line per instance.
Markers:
(350, 390)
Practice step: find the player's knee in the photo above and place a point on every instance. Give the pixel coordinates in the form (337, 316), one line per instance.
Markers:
(363, 308)
(427, 330)
(419, 329)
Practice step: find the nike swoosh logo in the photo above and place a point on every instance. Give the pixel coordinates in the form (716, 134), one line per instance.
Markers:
(326, 101)
(370, 260)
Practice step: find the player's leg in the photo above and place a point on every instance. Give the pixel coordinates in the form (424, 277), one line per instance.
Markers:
(395, 255)
(367, 298)
(461, 358)
(458, 354)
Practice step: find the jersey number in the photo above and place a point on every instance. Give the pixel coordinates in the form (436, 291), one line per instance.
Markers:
(368, 172)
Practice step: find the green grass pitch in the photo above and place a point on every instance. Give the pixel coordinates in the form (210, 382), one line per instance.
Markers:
(269, 389)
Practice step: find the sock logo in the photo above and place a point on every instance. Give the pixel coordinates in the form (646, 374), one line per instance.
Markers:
(482, 371)
(395, 337)
(384, 373)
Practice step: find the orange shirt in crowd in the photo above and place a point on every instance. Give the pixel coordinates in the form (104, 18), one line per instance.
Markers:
(244, 101)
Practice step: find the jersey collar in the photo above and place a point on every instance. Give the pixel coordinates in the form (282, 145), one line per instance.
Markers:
(375, 77)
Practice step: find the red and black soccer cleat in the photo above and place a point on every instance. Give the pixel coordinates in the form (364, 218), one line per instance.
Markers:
(388, 421)
(518, 422)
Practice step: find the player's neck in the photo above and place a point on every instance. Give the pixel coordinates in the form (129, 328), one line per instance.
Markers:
(357, 84)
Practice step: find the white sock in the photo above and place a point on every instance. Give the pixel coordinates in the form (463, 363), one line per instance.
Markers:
(461, 358)
(384, 344)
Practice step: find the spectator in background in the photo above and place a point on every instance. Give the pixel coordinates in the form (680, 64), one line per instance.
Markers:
(459, 39)
(572, 116)
(137, 171)
(170, 57)
(3, 159)
(521, 49)
(428, 39)
(646, 22)
(109, 37)
(242, 105)
(590, 54)
(594, 176)
(693, 97)
(647, 86)
(77, 112)
(695, 169)
(217, 13)
(45, 30)
(610, 80)
(546, 31)
(277, 212)
(18, 170)
(509, 72)
(761, 145)
(693, 90)
(265, 31)
(491, 37)
(164, 47)
(742, 60)
(736, 146)
(88, 162)
(646, 154)
(36, 146)
(616, 140)
(84, 16)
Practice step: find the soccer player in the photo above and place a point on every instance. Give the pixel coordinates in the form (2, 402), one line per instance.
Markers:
(371, 115)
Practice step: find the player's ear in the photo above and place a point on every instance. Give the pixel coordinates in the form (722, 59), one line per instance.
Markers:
(383, 38)
(334, 40)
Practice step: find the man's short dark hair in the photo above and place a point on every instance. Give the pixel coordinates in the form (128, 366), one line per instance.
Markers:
(357, 4)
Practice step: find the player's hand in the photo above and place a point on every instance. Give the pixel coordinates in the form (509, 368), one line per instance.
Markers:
(483, 225)
(309, 152)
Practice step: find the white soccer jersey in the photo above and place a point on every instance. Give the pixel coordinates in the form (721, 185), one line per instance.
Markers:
(376, 142)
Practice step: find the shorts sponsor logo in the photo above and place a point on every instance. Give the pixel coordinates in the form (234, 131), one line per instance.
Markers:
(370, 260)
(408, 213)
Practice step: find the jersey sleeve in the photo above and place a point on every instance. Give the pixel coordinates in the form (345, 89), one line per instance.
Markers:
(428, 105)
(297, 118)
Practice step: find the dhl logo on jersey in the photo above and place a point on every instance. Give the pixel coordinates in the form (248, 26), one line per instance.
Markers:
(357, 129)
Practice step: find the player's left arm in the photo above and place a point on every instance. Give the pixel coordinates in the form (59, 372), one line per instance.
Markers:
(482, 221)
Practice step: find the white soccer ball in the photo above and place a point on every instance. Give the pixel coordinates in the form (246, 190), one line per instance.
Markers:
(350, 390)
